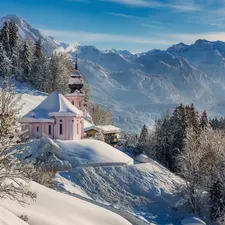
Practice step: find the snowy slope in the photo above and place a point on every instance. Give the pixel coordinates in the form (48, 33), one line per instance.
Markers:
(64, 155)
(30, 98)
(8, 218)
(147, 190)
(54, 208)
(91, 152)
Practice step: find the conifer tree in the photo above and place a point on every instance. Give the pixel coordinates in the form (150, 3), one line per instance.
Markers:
(4, 38)
(143, 140)
(14, 48)
(143, 135)
(204, 120)
(38, 61)
(13, 36)
(5, 63)
(26, 61)
(217, 198)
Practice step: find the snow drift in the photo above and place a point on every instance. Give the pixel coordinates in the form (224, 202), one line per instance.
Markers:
(54, 208)
(8, 218)
(65, 155)
(147, 190)
(92, 153)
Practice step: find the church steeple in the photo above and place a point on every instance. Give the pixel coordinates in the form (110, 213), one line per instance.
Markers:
(76, 66)
(76, 81)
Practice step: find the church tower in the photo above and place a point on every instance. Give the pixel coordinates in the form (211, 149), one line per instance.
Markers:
(76, 95)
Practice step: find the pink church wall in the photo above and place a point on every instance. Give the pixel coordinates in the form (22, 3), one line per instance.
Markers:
(76, 100)
(72, 129)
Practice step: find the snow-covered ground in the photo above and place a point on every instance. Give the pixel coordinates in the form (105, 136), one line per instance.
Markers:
(54, 208)
(8, 218)
(97, 173)
(64, 155)
(89, 152)
(147, 190)
(30, 98)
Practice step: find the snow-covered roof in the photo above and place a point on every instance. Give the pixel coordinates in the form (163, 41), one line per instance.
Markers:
(89, 126)
(109, 129)
(54, 105)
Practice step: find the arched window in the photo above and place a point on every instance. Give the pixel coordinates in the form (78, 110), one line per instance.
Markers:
(38, 133)
(72, 102)
(60, 127)
(72, 127)
(50, 130)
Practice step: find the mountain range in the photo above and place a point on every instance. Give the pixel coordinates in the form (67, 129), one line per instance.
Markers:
(138, 88)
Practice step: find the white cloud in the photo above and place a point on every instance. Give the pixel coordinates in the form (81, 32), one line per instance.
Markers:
(122, 15)
(162, 40)
(83, 37)
(142, 21)
(185, 5)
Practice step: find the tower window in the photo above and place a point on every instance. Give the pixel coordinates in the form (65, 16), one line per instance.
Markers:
(37, 129)
(80, 104)
(50, 130)
(77, 128)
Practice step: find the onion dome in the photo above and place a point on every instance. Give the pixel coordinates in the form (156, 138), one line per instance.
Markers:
(76, 81)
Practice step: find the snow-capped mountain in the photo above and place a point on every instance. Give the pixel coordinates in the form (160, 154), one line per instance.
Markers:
(139, 87)
(26, 31)
(207, 56)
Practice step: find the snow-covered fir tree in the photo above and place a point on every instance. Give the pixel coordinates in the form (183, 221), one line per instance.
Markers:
(13, 36)
(26, 61)
(204, 120)
(38, 61)
(14, 48)
(143, 140)
(5, 63)
(4, 38)
(217, 199)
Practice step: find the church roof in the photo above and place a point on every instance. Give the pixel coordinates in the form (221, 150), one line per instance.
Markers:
(54, 105)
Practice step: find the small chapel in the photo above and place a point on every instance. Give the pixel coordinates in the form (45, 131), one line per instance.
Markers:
(64, 117)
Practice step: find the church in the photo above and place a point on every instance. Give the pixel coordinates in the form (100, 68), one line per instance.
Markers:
(62, 117)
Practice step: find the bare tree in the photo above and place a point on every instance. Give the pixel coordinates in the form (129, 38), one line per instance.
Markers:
(99, 136)
(202, 164)
(13, 174)
(99, 115)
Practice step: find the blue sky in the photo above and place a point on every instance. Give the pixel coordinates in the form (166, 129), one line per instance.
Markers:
(135, 25)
